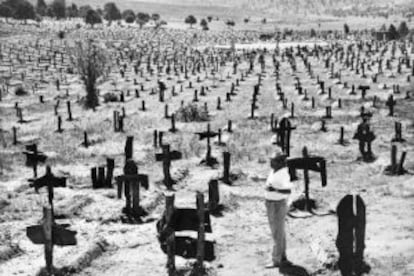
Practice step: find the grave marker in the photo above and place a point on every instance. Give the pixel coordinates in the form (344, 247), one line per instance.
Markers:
(166, 157)
(49, 233)
(132, 181)
(350, 240)
(209, 160)
(309, 163)
(50, 181)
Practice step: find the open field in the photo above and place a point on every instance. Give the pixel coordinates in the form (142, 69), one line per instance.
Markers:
(242, 235)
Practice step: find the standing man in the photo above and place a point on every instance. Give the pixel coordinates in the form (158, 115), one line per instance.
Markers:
(278, 190)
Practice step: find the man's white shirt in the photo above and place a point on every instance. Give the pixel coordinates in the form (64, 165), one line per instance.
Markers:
(279, 180)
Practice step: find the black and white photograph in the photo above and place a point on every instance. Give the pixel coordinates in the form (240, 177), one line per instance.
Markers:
(206, 137)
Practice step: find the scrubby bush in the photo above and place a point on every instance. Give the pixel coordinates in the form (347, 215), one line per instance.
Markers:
(110, 97)
(192, 113)
(20, 91)
(92, 64)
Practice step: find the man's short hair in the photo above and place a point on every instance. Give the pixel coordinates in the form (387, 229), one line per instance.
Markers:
(278, 157)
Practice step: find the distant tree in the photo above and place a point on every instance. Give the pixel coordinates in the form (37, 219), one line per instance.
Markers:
(6, 11)
(246, 20)
(83, 10)
(346, 29)
(111, 12)
(91, 63)
(128, 16)
(72, 11)
(161, 23)
(392, 33)
(230, 23)
(155, 17)
(209, 18)
(41, 7)
(23, 10)
(313, 33)
(264, 21)
(59, 8)
(204, 24)
(191, 20)
(403, 29)
(49, 12)
(92, 17)
(142, 18)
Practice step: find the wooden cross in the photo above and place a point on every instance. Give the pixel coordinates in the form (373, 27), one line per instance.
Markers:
(166, 157)
(209, 160)
(365, 137)
(391, 103)
(50, 181)
(131, 180)
(50, 234)
(33, 157)
(283, 135)
(364, 89)
(309, 163)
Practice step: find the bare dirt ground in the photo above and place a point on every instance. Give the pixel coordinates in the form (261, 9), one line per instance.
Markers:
(242, 234)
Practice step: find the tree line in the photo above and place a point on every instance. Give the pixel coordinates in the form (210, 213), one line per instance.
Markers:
(24, 10)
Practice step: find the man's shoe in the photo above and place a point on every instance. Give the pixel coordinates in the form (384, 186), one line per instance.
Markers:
(285, 263)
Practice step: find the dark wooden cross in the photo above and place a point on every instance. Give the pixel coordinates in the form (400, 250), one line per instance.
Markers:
(391, 103)
(209, 160)
(283, 135)
(226, 168)
(365, 137)
(342, 140)
(50, 181)
(309, 163)
(131, 180)
(33, 157)
(166, 157)
(49, 233)
(364, 89)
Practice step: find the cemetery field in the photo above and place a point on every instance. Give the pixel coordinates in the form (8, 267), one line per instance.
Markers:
(106, 244)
